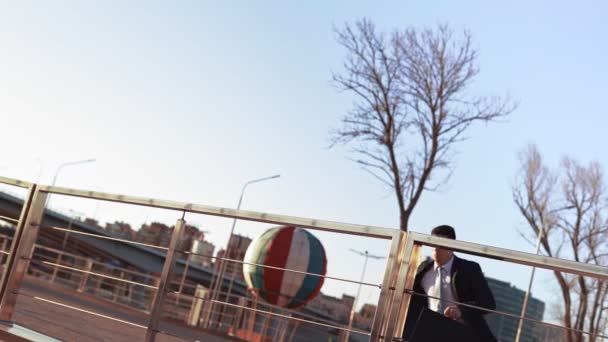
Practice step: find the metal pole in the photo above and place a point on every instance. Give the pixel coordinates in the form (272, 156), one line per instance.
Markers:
(21, 251)
(64, 165)
(524, 306)
(354, 306)
(265, 327)
(388, 284)
(159, 299)
(353, 309)
(85, 277)
(400, 301)
(19, 231)
(251, 326)
(185, 272)
(223, 309)
(293, 331)
(222, 268)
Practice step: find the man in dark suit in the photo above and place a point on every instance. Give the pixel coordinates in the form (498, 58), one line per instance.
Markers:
(451, 279)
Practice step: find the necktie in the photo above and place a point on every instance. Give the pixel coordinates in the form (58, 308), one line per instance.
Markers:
(440, 290)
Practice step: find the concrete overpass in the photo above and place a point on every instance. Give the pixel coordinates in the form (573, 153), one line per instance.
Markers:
(145, 259)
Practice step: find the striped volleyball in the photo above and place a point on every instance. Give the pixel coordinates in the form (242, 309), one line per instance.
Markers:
(290, 248)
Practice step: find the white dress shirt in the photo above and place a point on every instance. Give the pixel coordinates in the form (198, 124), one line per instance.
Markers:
(430, 279)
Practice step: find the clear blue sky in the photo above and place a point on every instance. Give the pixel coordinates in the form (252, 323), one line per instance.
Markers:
(190, 100)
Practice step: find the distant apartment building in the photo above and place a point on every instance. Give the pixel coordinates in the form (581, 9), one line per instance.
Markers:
(510, 299)
(191, 234)
(155, 233)
(364, 319)
(237, 247)
(159, 234)
(203, 252)
(92, 222)
(121, 229)
(338, 308)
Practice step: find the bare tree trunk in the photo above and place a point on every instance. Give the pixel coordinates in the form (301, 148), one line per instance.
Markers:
(582, 308)
(567, 318)
(595, 311)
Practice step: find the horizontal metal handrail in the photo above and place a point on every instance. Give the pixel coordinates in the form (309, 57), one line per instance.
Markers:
(65, 270)
(80, 309)
(354, 229)
(15, 182)
(104, 237)
(277, 315)
(99, 275)
(9, 219)
(284, 269)
(126, 271)
(95, 263)
(516, 257)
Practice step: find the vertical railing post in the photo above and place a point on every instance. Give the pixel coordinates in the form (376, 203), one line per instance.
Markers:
(153, 292)
(4, 243)
(159, 299)
(388, 283)
(85, 276)
(10, 260)
(21, 250)
(405, 281)
(56, 267)
(252, 318)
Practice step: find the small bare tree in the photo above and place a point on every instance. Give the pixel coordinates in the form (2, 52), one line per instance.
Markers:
(566, 209)
(411, 105)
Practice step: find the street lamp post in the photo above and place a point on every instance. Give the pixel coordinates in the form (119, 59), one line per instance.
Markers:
(61, 166)
(217, 286)
(70, 164)
(366, 255)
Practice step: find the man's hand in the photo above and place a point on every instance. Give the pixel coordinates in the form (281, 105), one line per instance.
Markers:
(452, 312)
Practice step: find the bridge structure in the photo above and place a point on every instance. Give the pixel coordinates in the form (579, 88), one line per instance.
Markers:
(156, 295)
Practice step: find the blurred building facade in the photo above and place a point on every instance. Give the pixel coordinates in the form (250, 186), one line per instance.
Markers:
(237, 247)
(155, 233)
(510, 299)
(338, 308)
(364, 319)
(203, 252)
(159, 234)
(121, 229)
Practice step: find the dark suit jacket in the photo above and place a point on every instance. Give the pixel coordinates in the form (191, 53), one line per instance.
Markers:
(468, 285)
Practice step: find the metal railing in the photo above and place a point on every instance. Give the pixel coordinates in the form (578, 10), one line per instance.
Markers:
(33, 214)
(396, 288)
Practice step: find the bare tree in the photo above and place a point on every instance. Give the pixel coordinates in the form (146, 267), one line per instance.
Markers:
(411, 105)
(567, 208)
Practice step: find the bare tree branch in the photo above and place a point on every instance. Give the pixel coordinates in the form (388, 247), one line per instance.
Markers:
(572, 219)
(410, 99)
